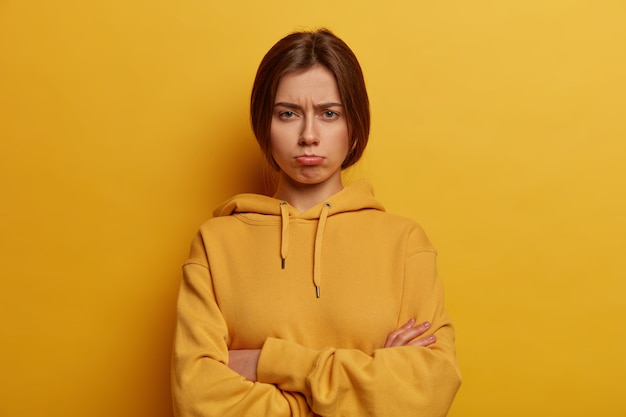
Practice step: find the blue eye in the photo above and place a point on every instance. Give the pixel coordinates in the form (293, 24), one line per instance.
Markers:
(287, 114)
(329, 114)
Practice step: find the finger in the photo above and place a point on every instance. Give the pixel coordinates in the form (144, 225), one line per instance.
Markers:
(392, 336)
(424, 342)
(407, 335)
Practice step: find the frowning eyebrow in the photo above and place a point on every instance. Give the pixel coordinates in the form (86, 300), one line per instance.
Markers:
(317, 106)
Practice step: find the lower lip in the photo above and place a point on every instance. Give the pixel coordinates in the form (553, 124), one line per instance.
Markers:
(309, 160)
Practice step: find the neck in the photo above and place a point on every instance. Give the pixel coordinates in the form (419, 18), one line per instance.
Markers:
(305, 196)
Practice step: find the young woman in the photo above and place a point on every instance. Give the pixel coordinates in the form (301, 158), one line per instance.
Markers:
(313, 302)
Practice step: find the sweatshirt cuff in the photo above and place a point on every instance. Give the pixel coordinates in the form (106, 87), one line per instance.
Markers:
(286, 364)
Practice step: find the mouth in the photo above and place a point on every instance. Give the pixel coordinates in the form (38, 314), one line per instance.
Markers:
(309, 159)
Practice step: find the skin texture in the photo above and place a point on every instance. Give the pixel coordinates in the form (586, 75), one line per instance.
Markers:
(310, 141)
(309, 137)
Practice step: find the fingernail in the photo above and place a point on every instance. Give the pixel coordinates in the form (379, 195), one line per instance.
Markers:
(426, 324)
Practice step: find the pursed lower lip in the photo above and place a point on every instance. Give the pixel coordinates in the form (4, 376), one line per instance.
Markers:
(309, 159)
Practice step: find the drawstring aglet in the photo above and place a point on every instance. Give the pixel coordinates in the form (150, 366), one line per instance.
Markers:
(282, 263)
(317, 291)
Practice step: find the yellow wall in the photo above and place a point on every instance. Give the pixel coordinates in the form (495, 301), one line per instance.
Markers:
(499, 125)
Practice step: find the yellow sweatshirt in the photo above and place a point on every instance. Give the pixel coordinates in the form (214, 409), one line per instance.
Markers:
(318, 291)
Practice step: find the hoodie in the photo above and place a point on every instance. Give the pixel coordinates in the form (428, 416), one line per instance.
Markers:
(318, 292)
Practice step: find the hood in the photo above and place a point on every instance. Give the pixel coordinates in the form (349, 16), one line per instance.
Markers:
(357, 196)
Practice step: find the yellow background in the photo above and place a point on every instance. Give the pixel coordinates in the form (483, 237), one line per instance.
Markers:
(499, 125)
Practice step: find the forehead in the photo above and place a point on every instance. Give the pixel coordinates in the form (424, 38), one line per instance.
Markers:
(316, 83)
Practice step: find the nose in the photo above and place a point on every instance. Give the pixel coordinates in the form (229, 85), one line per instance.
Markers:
(308, 135)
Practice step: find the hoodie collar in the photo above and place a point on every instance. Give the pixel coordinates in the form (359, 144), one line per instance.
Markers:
(353, 197)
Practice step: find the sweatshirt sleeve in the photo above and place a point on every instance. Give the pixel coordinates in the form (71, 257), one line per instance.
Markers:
(202, 383)
(397, 381)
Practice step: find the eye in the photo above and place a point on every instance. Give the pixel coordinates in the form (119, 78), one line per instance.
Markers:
(286, 114)
(329, 114)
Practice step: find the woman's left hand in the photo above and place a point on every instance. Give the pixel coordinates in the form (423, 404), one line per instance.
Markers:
(409, 335)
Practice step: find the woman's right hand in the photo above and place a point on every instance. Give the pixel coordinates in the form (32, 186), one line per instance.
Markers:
(408, 335)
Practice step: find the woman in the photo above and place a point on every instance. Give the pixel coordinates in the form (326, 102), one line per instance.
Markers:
(314, 301)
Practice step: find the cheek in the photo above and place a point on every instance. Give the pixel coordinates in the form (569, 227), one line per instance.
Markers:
(343, 138)
(273, 139)
(278, 132)
(277, 144)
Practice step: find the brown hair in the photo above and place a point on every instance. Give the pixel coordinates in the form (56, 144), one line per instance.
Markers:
(299, 51)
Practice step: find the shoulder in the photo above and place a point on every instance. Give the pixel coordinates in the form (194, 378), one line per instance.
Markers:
(205, 234)
(416, 237)
(390, 227)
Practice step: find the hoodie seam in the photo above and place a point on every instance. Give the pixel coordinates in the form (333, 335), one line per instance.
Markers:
(270, 222)
(418, 251)
(404, 275)
(409, 254)
(194, 262)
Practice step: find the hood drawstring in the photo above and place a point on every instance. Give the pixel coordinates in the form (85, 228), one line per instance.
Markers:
(319, 238)
(284, 239)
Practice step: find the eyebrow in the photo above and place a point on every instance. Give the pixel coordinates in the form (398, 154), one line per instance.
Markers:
(317, 106)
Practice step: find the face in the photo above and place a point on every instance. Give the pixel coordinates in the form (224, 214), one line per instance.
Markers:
(309, 133)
